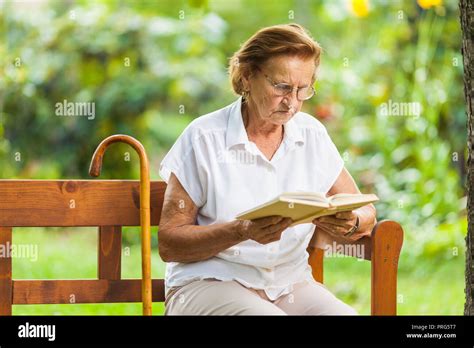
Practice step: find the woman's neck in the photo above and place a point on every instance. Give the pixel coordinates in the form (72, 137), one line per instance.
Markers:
(256, 126)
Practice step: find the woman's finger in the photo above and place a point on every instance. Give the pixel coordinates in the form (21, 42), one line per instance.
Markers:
(268, 220)
(346, 215)
(332, 229)
(282, 225)
(271, 237)
(333, 221)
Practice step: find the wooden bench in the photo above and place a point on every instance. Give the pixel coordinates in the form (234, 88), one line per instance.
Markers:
(111, 204)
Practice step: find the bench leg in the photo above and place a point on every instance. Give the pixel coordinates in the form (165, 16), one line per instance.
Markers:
(387, 240)
(316, 261)
(6, 284)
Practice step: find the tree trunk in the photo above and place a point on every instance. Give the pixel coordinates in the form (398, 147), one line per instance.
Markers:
(467, 24)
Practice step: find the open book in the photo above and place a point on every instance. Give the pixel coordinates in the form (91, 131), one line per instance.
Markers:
(303, 207)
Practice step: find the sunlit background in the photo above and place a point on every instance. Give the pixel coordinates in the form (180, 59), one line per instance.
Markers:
(150, 67)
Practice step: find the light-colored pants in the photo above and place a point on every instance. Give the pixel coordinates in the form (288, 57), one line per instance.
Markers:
(215, 297)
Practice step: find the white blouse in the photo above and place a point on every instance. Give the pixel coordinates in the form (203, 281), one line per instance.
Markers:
(225, 174)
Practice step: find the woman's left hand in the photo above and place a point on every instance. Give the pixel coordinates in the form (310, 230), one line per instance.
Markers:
(337, 224)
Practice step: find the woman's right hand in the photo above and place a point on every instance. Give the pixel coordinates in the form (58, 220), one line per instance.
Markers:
(264, 230)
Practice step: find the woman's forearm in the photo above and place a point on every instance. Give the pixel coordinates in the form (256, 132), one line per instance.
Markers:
(191, 243)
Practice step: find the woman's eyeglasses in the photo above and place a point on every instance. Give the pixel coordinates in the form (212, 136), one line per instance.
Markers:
(283, 89)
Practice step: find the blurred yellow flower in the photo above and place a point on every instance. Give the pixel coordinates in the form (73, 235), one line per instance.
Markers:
(360, 7)
(426, 4)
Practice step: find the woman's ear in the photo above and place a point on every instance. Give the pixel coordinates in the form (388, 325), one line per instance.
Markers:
(246, 80)
(245, 83)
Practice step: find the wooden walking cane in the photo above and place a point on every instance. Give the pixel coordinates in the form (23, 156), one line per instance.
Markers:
(94, 170)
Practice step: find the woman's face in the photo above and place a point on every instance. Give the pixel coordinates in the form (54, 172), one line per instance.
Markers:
(264, 101)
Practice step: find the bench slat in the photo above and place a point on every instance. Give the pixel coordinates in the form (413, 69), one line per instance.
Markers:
(63, 203)
(83, 291)
(109, 253)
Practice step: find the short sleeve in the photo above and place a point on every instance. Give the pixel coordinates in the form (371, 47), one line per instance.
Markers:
(183, 160)
(332, 161)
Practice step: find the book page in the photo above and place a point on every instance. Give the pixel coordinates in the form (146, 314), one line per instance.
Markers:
(329, 211)
(307, 196)
(347, 199)
(294, 210)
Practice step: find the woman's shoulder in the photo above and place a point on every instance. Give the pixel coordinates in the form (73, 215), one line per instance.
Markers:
(215, 121)
(306, 121)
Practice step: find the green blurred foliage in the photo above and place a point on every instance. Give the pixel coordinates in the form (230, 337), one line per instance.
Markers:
(151, 67)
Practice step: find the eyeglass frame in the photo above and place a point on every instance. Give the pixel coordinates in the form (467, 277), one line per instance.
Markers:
(274, 84)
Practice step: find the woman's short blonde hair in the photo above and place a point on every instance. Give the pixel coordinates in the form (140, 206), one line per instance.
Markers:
(286, 39)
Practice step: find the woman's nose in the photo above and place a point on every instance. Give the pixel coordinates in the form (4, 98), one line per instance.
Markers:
(291, 100)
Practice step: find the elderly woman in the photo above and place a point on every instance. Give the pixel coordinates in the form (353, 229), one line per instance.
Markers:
(243, 155)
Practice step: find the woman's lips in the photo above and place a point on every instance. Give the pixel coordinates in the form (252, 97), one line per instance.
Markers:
(285, 112)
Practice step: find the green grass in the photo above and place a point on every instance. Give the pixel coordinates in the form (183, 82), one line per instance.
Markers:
(72, 254)
(433, 288)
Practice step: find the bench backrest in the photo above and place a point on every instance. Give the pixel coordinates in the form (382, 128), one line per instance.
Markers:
(107, 204)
